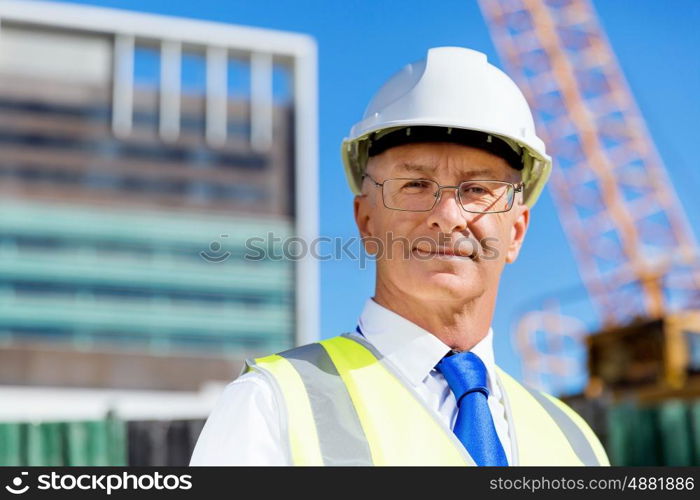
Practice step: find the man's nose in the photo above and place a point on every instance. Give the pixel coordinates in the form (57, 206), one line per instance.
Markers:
(448, 215)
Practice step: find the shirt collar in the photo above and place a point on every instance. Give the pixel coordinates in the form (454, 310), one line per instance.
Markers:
(412, 349)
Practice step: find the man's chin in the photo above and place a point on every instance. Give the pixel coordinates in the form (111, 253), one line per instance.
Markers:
(446, 290)
(453, 278)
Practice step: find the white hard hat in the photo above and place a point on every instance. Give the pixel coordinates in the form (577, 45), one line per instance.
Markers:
(452, 88)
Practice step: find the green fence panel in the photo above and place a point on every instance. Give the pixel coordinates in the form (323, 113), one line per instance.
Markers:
(633, 435)
(53, 443)
(34, 444)
(118, 442)
(695, 430)
(11, 444)
(617, 435)
(646, 440)
(77, 444)
(44, 444)
(676, 435)
(98, 443)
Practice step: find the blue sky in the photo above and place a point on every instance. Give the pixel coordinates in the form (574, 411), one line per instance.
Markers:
(361, 43)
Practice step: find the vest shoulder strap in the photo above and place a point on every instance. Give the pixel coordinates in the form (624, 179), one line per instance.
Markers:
(578, 432)
(294, 404)
(580, 445)
(317, 401)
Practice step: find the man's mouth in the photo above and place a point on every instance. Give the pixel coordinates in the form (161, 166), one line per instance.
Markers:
(445, 252)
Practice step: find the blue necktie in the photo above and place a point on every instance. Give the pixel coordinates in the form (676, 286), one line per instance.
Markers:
(466, 375)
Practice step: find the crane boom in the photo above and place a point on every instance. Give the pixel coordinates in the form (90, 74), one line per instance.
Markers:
(636, 253)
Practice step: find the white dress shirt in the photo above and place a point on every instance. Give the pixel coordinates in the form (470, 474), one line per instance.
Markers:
(245, 427)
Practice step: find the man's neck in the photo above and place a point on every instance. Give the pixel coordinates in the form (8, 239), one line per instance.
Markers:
(460, 325)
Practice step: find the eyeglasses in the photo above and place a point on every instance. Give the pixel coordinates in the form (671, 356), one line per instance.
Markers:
(421, 195)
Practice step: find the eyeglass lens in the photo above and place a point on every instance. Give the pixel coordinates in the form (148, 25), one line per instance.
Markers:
(421, 195)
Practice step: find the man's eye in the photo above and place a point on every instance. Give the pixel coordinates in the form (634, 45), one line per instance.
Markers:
(474, 189)
(415, 185)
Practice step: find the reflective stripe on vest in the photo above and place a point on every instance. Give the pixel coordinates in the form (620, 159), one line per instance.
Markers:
(346, 405)
(548, 432)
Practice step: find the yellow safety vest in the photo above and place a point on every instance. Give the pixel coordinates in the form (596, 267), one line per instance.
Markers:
(345, 405)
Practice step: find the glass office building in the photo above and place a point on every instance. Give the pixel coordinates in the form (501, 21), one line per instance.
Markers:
(139, 155)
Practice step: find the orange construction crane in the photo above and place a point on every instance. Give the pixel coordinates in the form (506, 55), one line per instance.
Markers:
(636, 253)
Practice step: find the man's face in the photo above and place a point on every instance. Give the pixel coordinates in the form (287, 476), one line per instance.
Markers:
(411, 254)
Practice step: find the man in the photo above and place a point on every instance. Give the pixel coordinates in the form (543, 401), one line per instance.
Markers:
(445, 166)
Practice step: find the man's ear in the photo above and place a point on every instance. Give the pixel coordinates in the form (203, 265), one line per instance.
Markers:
(517, 232)
(363, 209)
(362, 218)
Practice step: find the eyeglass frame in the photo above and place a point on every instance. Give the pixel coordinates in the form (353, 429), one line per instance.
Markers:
(517, 188)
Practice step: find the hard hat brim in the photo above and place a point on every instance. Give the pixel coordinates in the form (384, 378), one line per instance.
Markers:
(535, 173)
